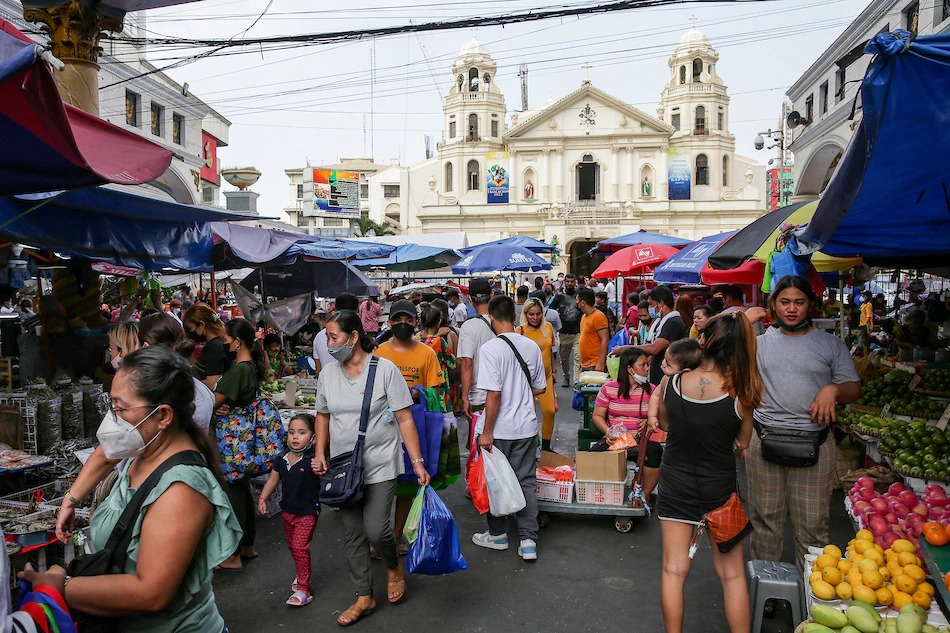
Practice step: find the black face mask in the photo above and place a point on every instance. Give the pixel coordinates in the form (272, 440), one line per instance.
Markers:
(193, 335)
(569, 291)
(403, 331)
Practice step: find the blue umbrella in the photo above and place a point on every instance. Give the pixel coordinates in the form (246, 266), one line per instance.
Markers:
(496, 257)
(685, 266)
(536, 246)
(605, 247)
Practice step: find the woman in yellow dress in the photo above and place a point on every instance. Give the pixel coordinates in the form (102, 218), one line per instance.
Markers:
(535, 327)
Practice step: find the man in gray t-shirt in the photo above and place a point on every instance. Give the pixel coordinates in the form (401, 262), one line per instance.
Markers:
(473, 334)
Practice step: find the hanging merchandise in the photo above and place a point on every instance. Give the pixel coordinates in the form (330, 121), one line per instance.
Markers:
(783, 260)
(49, 415)
(436, 550)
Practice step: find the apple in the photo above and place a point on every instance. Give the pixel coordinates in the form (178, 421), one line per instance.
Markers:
(865, 482)
(860, 505)
(938, 502)
(936, 489)
(901, 510)
(891, 518)
(867, 494)
(908, 497)
(878, 525)
(921, 509)
(879, 505)
(888, 540)
(896, 488)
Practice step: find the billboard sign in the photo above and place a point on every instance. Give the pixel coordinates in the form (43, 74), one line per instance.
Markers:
(497, 171)
(334, 192)
(680, 172)
(209, 154)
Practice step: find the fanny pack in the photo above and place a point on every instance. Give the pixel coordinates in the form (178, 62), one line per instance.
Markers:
(788, 447)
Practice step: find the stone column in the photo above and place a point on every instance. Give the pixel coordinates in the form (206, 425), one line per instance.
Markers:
(632, 176)
(559, 161)
(74, 30)
(548, 177)
(616, 176)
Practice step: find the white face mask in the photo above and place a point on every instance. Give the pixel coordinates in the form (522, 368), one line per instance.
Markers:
(116, 361)
(119, 439)
(641, 380)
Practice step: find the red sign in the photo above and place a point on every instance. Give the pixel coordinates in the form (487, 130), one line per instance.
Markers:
(209, 153)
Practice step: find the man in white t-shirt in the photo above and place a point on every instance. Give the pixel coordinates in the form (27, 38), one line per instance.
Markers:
(321, 355)
(511, 371)
(458, 310)
(473, 334)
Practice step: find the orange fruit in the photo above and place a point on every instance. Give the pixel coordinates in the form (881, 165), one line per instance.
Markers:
(884, 597)
(901, 599)
(936, 536)
(929, 525)
(946, 579)
(927, 588)
(921, 599)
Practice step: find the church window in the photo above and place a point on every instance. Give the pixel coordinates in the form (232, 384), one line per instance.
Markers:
(494, 129)
(473, 79)
(474, 179)
(823, 97)
(725, 171)
(702, 170)
(700, 127)
(449, 176)
(721, 119)
(682, 74)
(473, 127)
(697, 70)
(675, 119)
(451, 129)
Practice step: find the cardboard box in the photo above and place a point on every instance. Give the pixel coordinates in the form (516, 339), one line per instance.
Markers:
(553, 460)
(606, 466)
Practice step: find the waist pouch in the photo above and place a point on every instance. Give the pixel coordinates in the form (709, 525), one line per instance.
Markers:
(788, 447)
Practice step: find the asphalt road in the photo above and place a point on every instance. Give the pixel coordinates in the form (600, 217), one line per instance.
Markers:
(588, 577)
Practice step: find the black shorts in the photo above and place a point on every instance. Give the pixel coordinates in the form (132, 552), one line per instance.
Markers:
(654, 455)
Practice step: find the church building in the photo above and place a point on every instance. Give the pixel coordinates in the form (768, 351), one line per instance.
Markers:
(583, 168)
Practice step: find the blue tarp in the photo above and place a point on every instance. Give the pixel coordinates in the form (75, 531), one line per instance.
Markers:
(889, 201)
(114, 226)
(412, 257)
(685, 266)
(615, 244)
(324, 248)
(523, 241)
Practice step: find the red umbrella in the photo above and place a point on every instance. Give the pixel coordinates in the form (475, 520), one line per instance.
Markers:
(634, 260)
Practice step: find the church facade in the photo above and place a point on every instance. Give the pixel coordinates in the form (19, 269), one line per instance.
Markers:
(586, 167)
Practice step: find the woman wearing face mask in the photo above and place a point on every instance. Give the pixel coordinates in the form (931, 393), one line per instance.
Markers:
(238, 387)
(123, 339)
(166, 583)
(339, 401)
(158, 329)
(624, 404)
(535, 327)
(203, 325)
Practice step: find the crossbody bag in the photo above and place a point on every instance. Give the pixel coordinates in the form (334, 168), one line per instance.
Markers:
(342, 484)
(790, 447)
(521, 361)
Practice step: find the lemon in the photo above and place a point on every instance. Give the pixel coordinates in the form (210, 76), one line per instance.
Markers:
(831, 575)
(844, 566)
(906, 584)
(826, 560)
(864, 535)
(822, 590)
(876, 556)
(927, 588)
(901, 599)
(854, 578)
(915, 572)
(921, 599)
(854, 557)
(907, 558)
(872, 579)
(843, 591)
(884, 597)
(867, 594)
(863, 546)
(886, 573)
(832, 550)
(902, 545)
(867, 565)
(878, 548)
(814, 577)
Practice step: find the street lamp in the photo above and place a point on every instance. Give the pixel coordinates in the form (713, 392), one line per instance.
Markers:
(779, 137)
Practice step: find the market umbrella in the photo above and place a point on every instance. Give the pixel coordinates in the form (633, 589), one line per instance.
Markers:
(685, 266)
(496, 257)
(752, 273)
(50, 146)
(326, 278)
(533, 245)
(615, 244)
(634, 260)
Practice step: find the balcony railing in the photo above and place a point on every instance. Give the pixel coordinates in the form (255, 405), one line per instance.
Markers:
(584, 210)
(700, 131)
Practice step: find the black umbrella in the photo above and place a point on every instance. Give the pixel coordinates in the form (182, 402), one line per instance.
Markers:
(743, 245)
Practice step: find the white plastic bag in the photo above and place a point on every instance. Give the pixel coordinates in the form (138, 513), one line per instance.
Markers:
(505, 495)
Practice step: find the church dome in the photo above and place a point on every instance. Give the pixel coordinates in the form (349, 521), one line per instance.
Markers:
(473, 47)
(692, 39)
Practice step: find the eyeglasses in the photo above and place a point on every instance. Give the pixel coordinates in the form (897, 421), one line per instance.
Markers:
(118, 410)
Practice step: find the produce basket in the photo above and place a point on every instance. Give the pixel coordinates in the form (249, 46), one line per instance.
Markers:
(556, 491)
(600, 493)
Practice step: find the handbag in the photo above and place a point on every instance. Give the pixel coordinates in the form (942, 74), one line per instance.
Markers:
(249, 438)
(788, 447)
(342, 484)
(112, 558)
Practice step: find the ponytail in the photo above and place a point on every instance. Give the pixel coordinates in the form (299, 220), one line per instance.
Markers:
(241, 329)
(731, 344)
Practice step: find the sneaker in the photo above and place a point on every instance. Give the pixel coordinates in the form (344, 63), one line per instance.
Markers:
(528, 550)
(488, 540)
(566, 383)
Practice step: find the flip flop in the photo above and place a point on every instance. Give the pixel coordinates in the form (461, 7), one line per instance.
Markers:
(299, 599)
(223, 568)
(354, 614)
(293, 585)
(397, 587)
(374, 554)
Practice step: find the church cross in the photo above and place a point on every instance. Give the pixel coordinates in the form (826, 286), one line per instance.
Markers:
(586, 66)
(692, 21)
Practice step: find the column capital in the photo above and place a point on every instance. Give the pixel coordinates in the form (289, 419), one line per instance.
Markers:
(74, 29)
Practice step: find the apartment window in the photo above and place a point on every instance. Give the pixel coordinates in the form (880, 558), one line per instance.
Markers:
(675, 120)
(840, 75)
(452, 129)
(132, 101)
(911, 14)
(207, 195)
(178, 125)
(449, 176)
(332, 221)
(494, 129)
(158, 119)
(720, 120)
(299, 192)
(474, 180)
(390, 191)
(700, 126)
(364, 190)
(810, 107)
(702, 170)
(823, 97)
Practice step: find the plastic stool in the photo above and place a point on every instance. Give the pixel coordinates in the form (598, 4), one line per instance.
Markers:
(770, 579)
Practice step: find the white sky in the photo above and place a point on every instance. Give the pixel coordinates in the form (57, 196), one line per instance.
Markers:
(312, 103)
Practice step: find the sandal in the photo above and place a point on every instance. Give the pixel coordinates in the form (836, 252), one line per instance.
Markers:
(293, 585)
(223, 568)
(374, 554)
(354, 614)
(396, 590)
(299, 599)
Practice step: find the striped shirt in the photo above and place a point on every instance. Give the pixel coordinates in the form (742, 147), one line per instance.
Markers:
(626, 411)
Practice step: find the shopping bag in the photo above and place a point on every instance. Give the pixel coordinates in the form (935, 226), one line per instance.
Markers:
(429, 429)
(577, 403)
(477, 486)
(436, 550)
(249, 438)
(415, 513)
(613, 366)
(618, 339)
(505, 495)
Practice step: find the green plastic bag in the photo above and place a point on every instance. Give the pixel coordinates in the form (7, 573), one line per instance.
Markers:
(613, 366)
(411, 531)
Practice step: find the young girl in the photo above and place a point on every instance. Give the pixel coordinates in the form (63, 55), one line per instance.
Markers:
(299, 503)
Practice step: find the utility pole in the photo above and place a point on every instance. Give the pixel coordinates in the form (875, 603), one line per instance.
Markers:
(523, 74)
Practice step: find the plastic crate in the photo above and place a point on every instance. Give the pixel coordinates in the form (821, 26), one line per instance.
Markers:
(273, 501)
(556, 491)
(46, 494)
(600, 493)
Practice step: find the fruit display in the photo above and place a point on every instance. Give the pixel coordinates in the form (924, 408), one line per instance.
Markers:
(898, 514)
(894, 390)
(936, 381)
(916, 448)
(82, 303)
(861, 617)
(273, 386)
(305, 401)
(867, 572)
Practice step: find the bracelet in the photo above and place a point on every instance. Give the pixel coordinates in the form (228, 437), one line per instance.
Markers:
(71, 498)
(418, 460)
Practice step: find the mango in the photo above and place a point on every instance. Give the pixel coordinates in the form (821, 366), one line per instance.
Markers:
(909, 623)
(830, 617)
(916, 610)
(928, 628)
(859, 618)
(867, 606)
(814, 627)
(849, 629)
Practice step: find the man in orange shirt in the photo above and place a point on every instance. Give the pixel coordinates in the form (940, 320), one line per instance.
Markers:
(594, 332)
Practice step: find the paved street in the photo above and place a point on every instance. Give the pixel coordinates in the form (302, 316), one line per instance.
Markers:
(588, 577)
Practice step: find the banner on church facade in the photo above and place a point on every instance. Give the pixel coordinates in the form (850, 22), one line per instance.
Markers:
(678, 159)
(496, 169)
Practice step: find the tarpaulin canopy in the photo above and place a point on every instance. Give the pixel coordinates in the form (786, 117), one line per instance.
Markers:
(284, 315)
(615, 244)
(49, 146)
(491, 258)
(889, 201)
(533, 245)
(114, 226)
(412, 257)
(685, 266)
(327, 278)
(324, 248)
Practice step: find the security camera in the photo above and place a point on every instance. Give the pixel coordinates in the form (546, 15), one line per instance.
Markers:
(759, 142)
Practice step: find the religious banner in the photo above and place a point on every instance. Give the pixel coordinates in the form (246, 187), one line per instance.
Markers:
(680, 172)
(333, 192)
(497, 171)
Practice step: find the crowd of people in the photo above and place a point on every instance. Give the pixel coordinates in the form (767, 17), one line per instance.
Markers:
(695, 388)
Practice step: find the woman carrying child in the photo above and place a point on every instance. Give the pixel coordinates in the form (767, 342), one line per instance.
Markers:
(299, 501)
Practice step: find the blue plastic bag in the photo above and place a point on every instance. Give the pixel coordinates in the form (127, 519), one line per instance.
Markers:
(436, 550)
(618, 339)
(429, 428)
(577, 403)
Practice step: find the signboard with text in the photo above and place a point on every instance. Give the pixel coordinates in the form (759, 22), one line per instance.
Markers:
(496, 168)
(680, 172)
(334, 192)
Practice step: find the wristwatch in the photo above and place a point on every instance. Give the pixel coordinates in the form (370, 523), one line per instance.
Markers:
(418, 460)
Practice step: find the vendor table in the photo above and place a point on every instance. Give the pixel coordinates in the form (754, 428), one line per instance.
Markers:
(937, 559)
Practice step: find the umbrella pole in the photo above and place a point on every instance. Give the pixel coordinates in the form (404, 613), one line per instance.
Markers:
(841, 302)
(214, 294)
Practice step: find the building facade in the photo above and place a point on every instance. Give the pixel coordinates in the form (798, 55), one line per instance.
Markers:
(827, 97)
(586, 167)
(328, 225)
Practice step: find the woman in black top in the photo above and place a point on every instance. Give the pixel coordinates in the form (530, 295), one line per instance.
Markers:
(708, 414)
(238, 387)
(202, 324)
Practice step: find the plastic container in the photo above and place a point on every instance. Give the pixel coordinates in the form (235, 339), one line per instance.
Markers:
(556, 491)
(600, 493)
